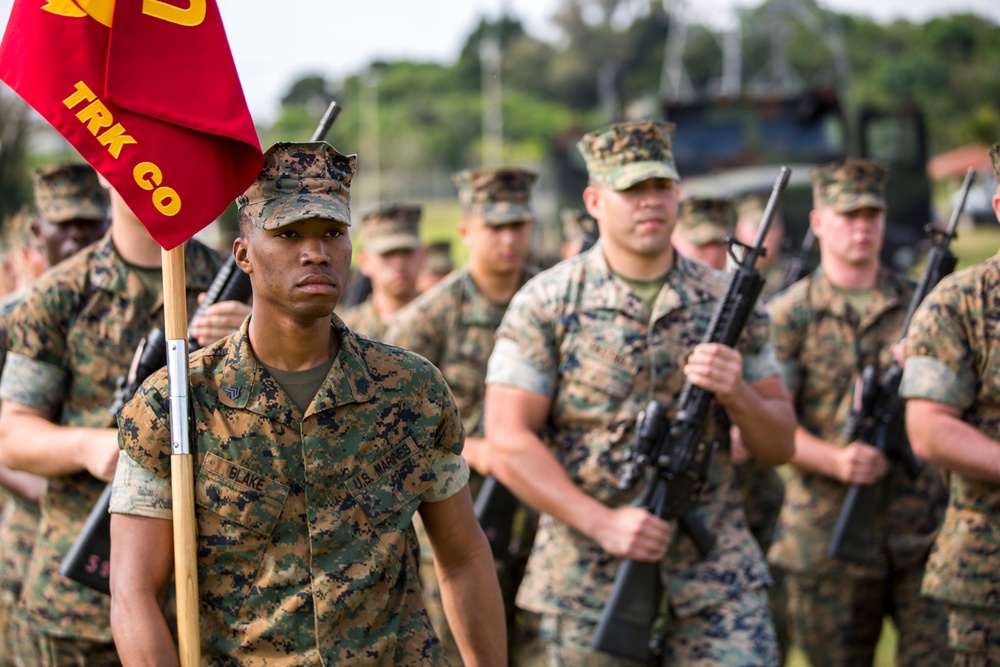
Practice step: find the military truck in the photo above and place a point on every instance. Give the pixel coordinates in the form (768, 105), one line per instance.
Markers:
(731, 147)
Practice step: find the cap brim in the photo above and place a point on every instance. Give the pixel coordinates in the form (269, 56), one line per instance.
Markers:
(281, 211)
(388, 244)
(624, 177)
(80, 211)
(863, 201)
(505, 213)
(702, 235)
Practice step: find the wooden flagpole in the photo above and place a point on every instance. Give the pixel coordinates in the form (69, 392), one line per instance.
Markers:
(181, 458)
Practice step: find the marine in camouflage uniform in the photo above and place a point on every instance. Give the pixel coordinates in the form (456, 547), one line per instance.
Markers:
(703, 224)
(582, 349)
(71, 211)
(579, 232)
(70, 341)
(824, 334)
(315, 449)
(437, 265)
(453, 325)
(950, 381)
(391, 257)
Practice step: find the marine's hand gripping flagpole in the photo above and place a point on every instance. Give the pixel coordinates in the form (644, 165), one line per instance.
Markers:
(181, 459)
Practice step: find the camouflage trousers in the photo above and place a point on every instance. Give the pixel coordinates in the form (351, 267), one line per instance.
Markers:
(8, 600)
(974, 635)
(736, 633)
(43, 650)
(763, 494)
(837, 620)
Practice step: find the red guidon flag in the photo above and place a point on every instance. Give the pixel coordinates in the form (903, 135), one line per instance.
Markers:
(148, 93)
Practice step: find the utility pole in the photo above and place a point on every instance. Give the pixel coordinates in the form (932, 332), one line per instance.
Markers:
(492, 96)
(371, 192)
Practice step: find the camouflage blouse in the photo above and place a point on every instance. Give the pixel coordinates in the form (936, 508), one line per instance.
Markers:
(579, 335)
(70, 340)
(363, 319)
(453, 325)
(952, 357)
(822, 346)
(306, 550)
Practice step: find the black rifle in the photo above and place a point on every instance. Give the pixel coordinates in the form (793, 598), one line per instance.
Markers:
(877, 414)
(89, 559)
(799, 265)
(676, 459)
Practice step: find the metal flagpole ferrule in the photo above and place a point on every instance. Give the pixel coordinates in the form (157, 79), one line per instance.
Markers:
(177, 374)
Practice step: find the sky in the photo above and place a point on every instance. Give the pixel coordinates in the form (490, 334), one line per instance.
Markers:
(275, 43)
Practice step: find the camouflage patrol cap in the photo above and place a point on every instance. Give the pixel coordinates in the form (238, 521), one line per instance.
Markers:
(995, 157)
(391, 227)
(576, 224)
(750, 210)
(500, 195)
(439, 258)
(848, 185)
(624, 154)
(69, 191)
(299, 181)
(705, 220)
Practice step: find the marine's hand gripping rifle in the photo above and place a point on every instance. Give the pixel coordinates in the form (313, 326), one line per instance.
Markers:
(877, 415)
(676, 459)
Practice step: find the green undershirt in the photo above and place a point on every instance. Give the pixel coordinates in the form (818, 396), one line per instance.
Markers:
(646, 290)
(150, 277)
(857, 299)
(301, 386)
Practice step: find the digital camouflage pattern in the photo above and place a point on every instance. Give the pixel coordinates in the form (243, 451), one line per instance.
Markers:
(306, 550)
(299, 181)
(596, 344)
(18, 526)
(391, 227)
(995, 159)
(837, 621)
(453, 325)
(439, 258)
(848, 185)
(577, 224)
(952, 358)
(736, 632)
(70, 191)
(623, 154)
(500, 195)
(705, 220)
(363, 319)
(975, 633)
(822, 345)
(70, 340)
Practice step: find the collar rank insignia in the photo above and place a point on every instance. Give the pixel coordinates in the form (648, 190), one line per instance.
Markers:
(233, 391)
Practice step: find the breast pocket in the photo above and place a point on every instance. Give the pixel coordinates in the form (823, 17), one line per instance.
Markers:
(389, 489)
(596, 376)
(238, 510)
